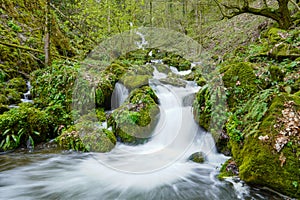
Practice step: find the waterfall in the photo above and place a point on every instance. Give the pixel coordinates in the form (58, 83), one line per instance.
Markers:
(142, 43)
(27, 95)
(119, 95)
(158, 169)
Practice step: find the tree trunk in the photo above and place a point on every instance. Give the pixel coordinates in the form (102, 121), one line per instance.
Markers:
(285, 20)
(47, 35)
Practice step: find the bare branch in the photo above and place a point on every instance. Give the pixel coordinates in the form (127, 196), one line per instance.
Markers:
(295, 4)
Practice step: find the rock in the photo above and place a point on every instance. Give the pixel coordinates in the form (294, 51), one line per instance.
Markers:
(87, 136)
(134, 121)
(197, 157)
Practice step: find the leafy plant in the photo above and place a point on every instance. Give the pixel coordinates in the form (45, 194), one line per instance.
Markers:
(14, 26)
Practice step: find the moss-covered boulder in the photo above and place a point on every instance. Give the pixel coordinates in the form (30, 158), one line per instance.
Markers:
(23, 124)
(18, 84)
(173, 81)
(3, 108)
(177, 61)
(197, 157)
(135, 81)
(239, 79)
(228, 169)
(134, 121)
(87, 136)
(202, 107)
(270, 156)
(163, 68)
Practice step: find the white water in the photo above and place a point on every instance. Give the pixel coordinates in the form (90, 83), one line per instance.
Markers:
(175, 71)
(156, 170)
(26, 95)
(119, 95)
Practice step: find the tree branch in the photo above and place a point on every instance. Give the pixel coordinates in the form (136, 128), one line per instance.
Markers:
(295, 4)
(34, 50)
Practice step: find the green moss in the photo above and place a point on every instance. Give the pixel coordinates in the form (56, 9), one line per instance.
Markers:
(202, 107)
(258, 161)
(3, 108)
(173, 81)
(23, 123)
(14, 97)
(134, 121)
(86, 135)
(135, 81)
(261, 166)
(163, 68)
(276, 74)
(228, 169)
(18, 84)
(197, 157)
(273, 35)
(177, 61)
(239, 79)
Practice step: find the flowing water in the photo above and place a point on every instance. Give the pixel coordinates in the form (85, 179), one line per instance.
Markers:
(119, 95)
(158, 169)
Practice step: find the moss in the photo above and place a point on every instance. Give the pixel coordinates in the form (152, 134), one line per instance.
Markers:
(202, 107)
(86, 137)
(163, 68)
(135, 81)
(134, 121)
(173, 81)
(239, 79)
(273, 35)
(24, 122)
(276, 74)
(258, 161)
(261, 166)
(14, 97)
(197, 157)
(228, 169)
(18, 84)
(176, 61)
(4, 99)
(3, 108)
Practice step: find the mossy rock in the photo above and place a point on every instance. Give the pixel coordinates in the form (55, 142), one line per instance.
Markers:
(86, 136)
(177, 61)
(274, 35)
(24, 123)
(197, 157)
(4, 99)
(3, 108)
(134, 121)
(14, 97)
(135, 81)
(259, 163)
(163, 68)
(202, 107)
(173, 81)
(276, 74)
(239, 79)
(18, 84)
(228, 169)
(140, 70)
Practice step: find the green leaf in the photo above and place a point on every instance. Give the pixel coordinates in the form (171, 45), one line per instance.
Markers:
(15, 138)
(35, 132)
(31, 141)
(1, 144)
(6, 131)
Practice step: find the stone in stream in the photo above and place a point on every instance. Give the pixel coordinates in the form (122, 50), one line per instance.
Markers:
(197, 157)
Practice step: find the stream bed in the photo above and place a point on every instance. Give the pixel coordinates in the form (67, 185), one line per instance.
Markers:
(158, 169)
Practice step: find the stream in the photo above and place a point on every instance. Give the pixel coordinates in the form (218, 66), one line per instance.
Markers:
(158, 169)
